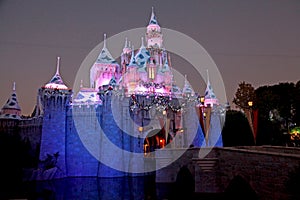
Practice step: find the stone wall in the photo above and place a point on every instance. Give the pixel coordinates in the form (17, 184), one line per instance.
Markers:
(266, 171)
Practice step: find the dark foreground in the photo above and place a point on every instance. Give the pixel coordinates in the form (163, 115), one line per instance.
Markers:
(123, 188)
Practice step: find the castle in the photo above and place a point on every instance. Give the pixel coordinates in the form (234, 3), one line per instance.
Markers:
(134, 106)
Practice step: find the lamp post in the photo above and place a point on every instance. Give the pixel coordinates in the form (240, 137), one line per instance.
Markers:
(250, 117)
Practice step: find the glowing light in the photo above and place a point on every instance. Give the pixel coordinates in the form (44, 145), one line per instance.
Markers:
(250, 103)
(140, 129)
(56, 86)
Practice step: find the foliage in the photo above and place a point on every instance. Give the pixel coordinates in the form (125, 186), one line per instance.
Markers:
(236, 130)
(279, 110)
(243, 95)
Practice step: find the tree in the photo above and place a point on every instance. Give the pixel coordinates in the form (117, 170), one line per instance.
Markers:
(277, 105)
(296, 104)
(236, 130)
(244, 94)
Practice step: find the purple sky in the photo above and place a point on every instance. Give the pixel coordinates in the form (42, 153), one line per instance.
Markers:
(254, 41)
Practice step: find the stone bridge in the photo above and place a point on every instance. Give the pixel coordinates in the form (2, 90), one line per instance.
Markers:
(262, 171)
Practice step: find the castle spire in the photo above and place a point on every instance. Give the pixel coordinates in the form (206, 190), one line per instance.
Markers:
(187, 88)
(105, 56)
(142, 45)
(153, 35)
(57, 65)
(132, 59)
(56, 82)
(126, 43)
(11, 109)
(207, 75)
(126, 49)
(104, 41)
(153, 18)
(210, 97)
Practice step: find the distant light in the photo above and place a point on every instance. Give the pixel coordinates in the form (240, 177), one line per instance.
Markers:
(250, 103)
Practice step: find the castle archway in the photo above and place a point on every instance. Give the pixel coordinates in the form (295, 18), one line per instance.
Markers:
(155, 139)
(185, 184)
(239, 188)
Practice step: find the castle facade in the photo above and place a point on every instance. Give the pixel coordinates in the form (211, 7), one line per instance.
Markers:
(130, 108)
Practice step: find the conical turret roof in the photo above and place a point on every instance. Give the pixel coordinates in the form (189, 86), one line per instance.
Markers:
(11, 109)
(209, 92)
(105, 56)
(142, 56)
(132, 62)
(187, 89)
(56, 81)
(153, 19)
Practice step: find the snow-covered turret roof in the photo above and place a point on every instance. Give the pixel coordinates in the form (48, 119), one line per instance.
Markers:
(105, 56)
(142, 56)
(11, 109)
(209, 92)
(56, 81)
(153, 19)
(132, 62)
(86, 96)
(187, 89)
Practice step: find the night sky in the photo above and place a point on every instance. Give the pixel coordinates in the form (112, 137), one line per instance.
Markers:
(254, 41)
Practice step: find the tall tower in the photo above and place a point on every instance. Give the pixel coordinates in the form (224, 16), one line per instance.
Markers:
(153, 35)
(55, 98)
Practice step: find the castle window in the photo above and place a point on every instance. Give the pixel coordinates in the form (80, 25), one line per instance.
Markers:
(151, 73)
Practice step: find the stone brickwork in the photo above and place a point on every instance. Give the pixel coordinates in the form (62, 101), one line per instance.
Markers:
(266, 169)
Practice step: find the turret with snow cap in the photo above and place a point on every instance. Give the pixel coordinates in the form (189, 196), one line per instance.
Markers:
(11, 109)
(154, 35)
(104, 68)
(210, 98)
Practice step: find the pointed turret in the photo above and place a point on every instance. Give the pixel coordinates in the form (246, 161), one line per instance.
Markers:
(175, 90)
(187, 89)
(153, 19)
(105, 56)
(11, 110)
(154, 35)
(142, 56)
(38, 110)
(126, 49)
(104, 68)
(132, 62)
(56, 82)
(210, 97)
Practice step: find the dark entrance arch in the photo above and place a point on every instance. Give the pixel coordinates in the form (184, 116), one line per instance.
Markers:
(184, 185)
(155, 140)
(239, 188)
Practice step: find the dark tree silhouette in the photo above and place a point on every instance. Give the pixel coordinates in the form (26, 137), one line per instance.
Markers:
(236, 130)
(277, 105)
